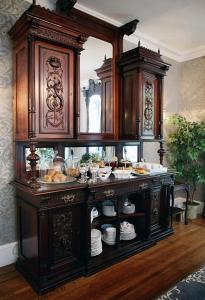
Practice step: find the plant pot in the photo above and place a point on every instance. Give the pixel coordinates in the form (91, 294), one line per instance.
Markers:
(192, 210)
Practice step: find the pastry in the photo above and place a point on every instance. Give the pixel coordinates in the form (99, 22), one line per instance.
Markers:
(48, 178)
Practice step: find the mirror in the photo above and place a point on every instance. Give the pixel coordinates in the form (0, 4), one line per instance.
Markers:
(101, 151)
(96, 105)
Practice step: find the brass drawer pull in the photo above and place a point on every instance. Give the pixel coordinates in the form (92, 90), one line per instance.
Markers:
(68, 198)
(109, 193)
(143, 186)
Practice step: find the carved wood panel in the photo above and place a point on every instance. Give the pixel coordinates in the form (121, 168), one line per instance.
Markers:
(149, 106)
(61, 234)
(54, 77)
(66, 233)
(155, 207)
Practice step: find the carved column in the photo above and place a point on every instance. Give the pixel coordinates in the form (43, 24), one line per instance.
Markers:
(161, 152)
(33, 159)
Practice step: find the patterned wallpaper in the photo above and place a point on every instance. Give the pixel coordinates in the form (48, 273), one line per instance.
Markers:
(10, 10)
(193, 89)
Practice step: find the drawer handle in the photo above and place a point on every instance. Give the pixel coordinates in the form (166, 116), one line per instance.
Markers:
(68, 198)
(155, 213)
(109, 193)
(143, 185)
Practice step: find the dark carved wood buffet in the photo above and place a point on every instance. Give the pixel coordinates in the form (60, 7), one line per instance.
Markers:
(54, 221)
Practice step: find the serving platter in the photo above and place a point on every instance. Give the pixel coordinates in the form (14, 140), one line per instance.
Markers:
(69, 179)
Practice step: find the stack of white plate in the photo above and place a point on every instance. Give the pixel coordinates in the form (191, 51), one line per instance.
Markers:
(96, 243)
(127, 231)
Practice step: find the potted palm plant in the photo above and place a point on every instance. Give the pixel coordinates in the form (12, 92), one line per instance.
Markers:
(186, 154)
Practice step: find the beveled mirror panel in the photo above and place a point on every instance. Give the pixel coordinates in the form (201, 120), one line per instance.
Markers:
(96, 100)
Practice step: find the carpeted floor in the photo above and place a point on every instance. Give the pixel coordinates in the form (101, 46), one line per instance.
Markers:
(190, 288)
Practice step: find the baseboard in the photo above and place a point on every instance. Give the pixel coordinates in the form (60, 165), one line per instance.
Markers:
(8, 254)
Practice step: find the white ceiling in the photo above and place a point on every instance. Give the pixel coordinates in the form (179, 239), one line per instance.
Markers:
(176, 27)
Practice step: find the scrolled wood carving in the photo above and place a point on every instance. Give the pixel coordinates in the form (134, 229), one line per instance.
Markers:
(149, 109)
(54, 99)
(62, 234)
(52, 35)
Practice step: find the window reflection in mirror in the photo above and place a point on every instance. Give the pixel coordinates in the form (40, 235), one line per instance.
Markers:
(96, 87)
(130, 153)
(103, 153)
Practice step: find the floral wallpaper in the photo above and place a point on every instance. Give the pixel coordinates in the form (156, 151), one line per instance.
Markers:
(193, 89)
(10, 10)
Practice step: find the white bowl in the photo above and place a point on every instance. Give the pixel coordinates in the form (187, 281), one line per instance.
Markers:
(104, 175)
(122, 174)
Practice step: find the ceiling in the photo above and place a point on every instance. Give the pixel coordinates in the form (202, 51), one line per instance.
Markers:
(176, 27)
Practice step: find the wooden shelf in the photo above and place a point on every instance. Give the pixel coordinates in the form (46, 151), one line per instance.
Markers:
(103, 220)
(133, 242)
(136, 214)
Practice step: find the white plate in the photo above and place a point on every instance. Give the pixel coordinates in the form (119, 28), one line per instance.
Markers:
(146, 173)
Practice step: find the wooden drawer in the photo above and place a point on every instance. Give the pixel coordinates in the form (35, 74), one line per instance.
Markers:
(162, 180)
(118, 190)
(63, 198)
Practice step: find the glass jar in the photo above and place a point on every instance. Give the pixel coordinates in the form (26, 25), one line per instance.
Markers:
(58, 163)
(72, 167)
(45, 166)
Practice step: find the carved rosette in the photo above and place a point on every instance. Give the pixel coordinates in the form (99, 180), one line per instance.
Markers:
(62, 234)
(148, 107)
(54, 99)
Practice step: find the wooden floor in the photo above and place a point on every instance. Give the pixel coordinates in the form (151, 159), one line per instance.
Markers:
(143, 276)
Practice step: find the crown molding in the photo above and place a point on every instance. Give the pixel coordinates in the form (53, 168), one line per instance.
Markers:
(148, 41)
(145, 40)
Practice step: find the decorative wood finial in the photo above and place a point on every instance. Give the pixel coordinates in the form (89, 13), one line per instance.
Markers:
(129, 28)
(139, 44)
(33, 159)
(161, 152)
(65, 6)
(105, 57)
(34, 2)
(158, 51)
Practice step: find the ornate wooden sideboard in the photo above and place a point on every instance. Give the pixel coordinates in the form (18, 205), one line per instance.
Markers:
(55, 226)
(54, 222)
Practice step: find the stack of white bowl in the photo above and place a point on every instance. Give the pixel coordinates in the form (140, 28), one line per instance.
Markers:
(129, 208)
(109, 235)
(96, 243)
(127, 231)
(108, 209)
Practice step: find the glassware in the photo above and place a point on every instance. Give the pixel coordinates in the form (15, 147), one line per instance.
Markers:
(58, 163)
(72, 166)
(45, 166)
(83, 168)
(94, 171)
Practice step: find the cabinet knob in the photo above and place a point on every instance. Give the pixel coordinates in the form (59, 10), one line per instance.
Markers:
(68, 198)
(155, 212)
(143, 186)
(109, 193)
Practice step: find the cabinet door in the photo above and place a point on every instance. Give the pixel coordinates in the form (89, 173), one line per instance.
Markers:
(159, 213)
(129, 105)
(150, 106)
(54, 79)
(155, 208)
(66, 236)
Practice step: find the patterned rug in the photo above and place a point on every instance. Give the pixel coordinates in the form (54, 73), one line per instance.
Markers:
(190, 288)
